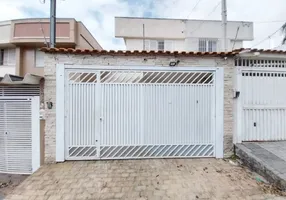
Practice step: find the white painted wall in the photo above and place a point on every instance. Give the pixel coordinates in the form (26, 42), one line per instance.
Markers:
(237, 44)
(4, 69)
(155, 28)
(213, 29)
(184, 33)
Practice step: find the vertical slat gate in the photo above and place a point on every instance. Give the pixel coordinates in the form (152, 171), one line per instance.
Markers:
(142, 113)
(19, 137)
(2, 137)
(262, 100)
(16, 135)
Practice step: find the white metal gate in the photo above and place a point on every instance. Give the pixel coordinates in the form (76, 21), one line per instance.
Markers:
(142, 112)
(261, 105)
(19, 135)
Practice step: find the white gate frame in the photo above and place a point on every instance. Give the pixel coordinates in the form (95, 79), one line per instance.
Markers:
(35, 127)
(61, 112)
(237, 107)
(36, 133)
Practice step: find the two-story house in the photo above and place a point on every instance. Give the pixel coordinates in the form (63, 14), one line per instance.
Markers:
(181, 34)
(20, 40)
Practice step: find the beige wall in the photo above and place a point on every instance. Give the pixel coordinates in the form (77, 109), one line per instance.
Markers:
(5, 31)
(84, 39)
(109, 60)
(28, 62)
(26, 35)
(36, 29)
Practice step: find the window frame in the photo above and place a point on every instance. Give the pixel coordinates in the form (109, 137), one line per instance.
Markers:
(37, 52)
(2, 57)
(207, 45)
(162, 44)
(7, 57)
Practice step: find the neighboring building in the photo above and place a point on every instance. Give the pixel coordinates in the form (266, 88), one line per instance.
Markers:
(181, 34)
(281, 47)
(20, 40)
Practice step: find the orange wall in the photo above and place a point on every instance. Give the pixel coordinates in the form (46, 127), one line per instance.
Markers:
(35, 29)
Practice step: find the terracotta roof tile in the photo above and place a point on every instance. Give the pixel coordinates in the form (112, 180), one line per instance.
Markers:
(135, 52)
(260, 50)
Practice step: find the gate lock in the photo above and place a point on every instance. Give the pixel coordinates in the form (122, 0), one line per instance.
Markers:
(236, 94)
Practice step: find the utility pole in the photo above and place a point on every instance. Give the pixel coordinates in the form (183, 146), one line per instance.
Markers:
(144, 48)
(53, 7)
(224, 24)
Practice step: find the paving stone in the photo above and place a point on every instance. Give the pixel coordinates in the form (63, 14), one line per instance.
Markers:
(266, 158)
(180, 179)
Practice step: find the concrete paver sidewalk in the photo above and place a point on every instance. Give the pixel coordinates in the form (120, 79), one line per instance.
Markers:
(267, 159)
(179, 179)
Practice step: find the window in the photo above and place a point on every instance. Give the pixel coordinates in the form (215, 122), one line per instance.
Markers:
(1, 56)
(7, 56)
(39, 58)
(207, 45)
(159, 45)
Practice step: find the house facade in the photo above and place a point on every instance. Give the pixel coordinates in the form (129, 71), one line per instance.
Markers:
(152, 104)
(145, 106)
(133, 85)
(20, 40)
(181, 34)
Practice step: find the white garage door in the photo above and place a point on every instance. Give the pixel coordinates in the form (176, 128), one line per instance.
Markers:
(142, 112)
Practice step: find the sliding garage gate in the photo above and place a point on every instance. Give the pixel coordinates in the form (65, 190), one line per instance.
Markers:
(261, 105)
(141, 112)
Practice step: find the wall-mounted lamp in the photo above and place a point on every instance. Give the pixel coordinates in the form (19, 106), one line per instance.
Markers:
(50, 105)
(174, 62)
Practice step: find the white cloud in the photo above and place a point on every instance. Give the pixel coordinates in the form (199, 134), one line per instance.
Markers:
(83, 10)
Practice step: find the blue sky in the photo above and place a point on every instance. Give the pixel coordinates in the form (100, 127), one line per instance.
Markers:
(98, 15)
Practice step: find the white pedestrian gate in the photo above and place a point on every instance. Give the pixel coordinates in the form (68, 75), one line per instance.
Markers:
(261, 103)
(19, 135)
(136, 112)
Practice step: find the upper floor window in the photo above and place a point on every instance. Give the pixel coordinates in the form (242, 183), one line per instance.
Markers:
(39, 58)
(159, 45)
(207, 45)
(7, 57)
